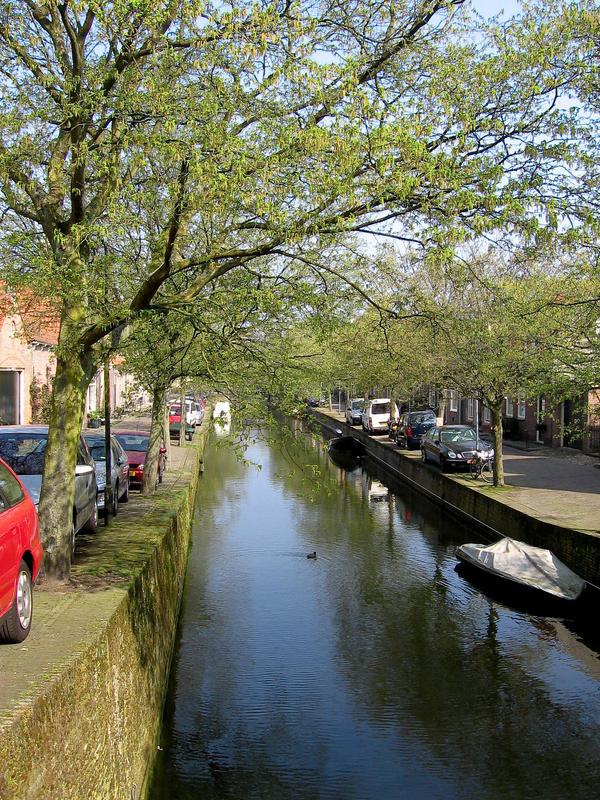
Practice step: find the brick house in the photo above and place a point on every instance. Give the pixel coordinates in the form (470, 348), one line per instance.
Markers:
(575, 422)
(28, 334)
(124, 390)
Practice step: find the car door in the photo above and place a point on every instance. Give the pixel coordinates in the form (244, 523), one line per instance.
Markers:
(11, 497)
(85, 485)
(431, 443)
(120, 464)
(435, 438)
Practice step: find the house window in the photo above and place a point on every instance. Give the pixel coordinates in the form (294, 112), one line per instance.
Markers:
(487, 415)
(509, 407)
(470, 405)
(453, 400)
(521, 406)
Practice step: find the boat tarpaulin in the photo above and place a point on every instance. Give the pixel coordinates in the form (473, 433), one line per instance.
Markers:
(524, 564)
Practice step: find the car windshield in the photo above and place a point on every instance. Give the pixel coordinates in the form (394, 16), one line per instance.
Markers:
(458, 435)
(420, 419)
(24, 452)
(97, 451)
(380, 408)
(133, 442)
(358, 405)
(175, 411)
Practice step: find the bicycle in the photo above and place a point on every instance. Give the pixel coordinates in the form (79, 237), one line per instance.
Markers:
(482, 467)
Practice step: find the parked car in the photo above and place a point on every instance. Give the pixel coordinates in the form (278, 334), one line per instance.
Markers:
(135, 444)
(453, 446)
(376, 414)
(20, 556)
(119, 470)
(222, 411)
(412, 425)
(354, 409)
(23, 447)
(175, 422)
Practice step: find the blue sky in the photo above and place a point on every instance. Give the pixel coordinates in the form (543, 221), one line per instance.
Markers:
(489, 8)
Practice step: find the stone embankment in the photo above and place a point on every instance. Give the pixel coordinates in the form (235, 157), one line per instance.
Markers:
(81, 699)
(551, 500)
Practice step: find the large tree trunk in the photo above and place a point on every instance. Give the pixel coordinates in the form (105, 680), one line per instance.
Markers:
(496, 410)
(58, 481)
(155, 441)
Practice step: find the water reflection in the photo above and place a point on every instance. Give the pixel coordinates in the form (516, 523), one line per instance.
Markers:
(373, 671)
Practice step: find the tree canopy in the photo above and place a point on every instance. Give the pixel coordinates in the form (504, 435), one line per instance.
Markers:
(149, 148)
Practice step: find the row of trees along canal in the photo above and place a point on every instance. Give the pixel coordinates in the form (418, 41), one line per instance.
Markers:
(199, 174)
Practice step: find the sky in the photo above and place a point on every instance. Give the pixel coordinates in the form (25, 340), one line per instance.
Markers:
(489, 8)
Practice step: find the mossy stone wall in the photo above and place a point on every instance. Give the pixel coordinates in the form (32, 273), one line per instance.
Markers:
(93, 733)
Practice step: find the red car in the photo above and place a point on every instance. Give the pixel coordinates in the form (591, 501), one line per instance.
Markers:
(20, 556)
(135, 444)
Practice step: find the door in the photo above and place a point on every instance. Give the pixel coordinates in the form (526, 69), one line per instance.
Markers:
(9, 397)
(85, 486)
(11, 512)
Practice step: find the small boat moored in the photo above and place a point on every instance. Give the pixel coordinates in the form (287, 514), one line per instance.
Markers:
(524, 565)
(346, 445)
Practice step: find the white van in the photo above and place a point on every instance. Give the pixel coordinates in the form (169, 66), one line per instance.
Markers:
(376, 414)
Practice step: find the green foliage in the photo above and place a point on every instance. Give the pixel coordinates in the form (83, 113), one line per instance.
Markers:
(148, 150)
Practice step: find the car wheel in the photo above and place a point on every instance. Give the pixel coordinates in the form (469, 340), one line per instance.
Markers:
(16, 624)
(91, 526)
(115, 502)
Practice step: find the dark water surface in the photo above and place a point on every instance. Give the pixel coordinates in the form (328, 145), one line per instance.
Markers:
(371, 672)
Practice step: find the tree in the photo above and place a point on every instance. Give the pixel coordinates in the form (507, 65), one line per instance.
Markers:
(139, 142)
(494, 331)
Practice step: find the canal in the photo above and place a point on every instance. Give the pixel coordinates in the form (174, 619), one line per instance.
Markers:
(374, 671)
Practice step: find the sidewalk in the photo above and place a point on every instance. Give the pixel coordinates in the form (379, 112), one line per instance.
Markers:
(560, 486)
(67, 619)
(556, 486)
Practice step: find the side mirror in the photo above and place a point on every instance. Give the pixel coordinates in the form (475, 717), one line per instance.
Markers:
(83, 469)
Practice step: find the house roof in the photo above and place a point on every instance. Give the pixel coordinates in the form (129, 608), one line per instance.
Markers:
(39, 318)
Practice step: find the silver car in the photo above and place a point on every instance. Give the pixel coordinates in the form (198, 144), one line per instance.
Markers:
(354, 409)
(23, 447)
(119, 469)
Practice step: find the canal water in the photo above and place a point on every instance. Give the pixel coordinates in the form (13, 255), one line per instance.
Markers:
(371, 672)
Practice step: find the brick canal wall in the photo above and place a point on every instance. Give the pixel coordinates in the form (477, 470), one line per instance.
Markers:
(93, 730)
(488, 515)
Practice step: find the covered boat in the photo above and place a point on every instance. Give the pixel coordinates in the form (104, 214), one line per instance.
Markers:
(528, 566)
